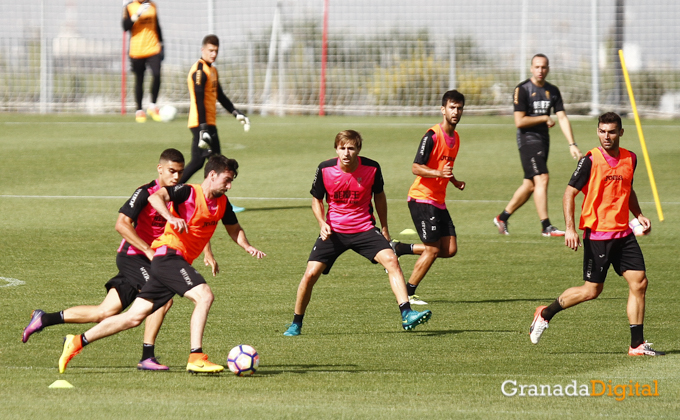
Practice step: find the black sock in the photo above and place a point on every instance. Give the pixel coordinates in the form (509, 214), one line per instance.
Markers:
(297, 319)
(545, 223)
(83, 340)
(403, 249)
(53, 318)
(636, 336)
(197, 350)
(552, 309)
(148, 351)
(404, 308)
(411, 289)
(503, 217)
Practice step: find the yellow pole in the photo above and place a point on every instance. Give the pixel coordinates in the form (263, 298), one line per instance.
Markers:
(642, 137)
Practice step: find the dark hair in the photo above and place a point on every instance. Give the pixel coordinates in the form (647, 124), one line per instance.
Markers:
(172, 155)
(212, 40)
(453, 96)
(541, 56)
(219, 164)
(610, 118)
(349, 136)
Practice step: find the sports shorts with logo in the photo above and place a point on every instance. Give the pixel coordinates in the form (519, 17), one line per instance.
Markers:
(171, 275)
(432, 223)
(533, 153)
(133, 273)
(623, 254)
(367, 244)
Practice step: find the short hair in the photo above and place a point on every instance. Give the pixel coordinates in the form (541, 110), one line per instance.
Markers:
(348, 136)
(610, 118)
(453, 96)
(171, 155)
(219, 164)
(541, 56)
(212, 40)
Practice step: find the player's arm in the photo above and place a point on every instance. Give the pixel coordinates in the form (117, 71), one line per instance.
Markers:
(380, 200)
(125, 226)
(571, 238)
(209, 259)
(199, 79)
(456, 183)
(159, 201)
(420, 168)
(229, 106)
(522, 120)
(238, 235)
(127, 21)
(634, 206)
(565, 125)
(319, 213)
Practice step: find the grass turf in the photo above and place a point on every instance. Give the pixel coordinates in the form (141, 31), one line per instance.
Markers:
(353, 360)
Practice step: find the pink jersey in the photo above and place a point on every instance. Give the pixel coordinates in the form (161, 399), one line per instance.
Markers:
(348, 194)
(148, 223)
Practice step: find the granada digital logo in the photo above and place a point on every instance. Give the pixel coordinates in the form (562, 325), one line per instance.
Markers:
(592, 388)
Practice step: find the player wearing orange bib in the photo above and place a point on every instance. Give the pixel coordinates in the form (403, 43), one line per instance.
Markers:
(196, 211)
(140, 17)
(605, 176)
(433, 168)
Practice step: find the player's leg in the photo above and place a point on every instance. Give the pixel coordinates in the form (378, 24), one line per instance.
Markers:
(198, 157)
(154, 63)
(637, 288)
(152, 326)
(304, 295)
(138, 68)
(202, 297)
(541, 195)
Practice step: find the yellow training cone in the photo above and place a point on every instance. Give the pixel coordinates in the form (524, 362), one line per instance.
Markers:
(408, 232)
(61, 384)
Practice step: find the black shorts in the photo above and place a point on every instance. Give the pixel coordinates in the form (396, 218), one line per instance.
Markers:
(214, 143)
(133, 273)
(432, 223)
(170, 275)
(534, 156)
(139, 65)
(367, 244)
(623, 254)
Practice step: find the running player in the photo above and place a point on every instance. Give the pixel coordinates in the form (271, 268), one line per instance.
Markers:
(348, 183)
(605, 176)
(196, 211)
(533, 99)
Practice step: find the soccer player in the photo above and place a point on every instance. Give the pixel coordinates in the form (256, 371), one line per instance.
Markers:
(433, 168)
(205, 90)
(140, 17)
(348, 183)
(196, 211)
(139, 225)
(605, 176)
(533, 100)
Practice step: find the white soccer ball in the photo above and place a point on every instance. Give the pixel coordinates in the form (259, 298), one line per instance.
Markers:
(638, 229)
(243, 360)
(167, 113)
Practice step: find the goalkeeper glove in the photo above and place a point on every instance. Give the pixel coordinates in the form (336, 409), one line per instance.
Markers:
(242, 119)
(204, 137)
(142, 8)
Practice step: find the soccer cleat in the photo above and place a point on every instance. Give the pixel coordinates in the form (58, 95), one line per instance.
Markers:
(198, 363)
(140, 116)
(538, 326)
(34, 325)
(415, 300)
(293, 330)
(552, 231)
(501, 225)
(412, 319)
(644, 349)
(153, 112)
(393, 245)
(151, 364)
(72, 346)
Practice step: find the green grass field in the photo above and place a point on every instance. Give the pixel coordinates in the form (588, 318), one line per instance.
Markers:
(65, 177)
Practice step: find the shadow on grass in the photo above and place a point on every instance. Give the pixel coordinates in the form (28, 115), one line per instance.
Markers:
(272, 370)
(537, 300)
(248, 209)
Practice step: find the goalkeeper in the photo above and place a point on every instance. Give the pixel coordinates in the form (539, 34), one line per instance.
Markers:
(205, 91)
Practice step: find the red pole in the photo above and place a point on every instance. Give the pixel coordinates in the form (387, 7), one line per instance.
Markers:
(123, 83)
(324, 57)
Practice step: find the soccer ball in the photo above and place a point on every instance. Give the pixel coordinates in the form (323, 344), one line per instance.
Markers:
(167, 113)
(638, 229)
(243, 360)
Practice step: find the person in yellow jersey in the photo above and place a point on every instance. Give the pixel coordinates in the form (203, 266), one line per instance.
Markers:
(140, 18)
(195, 212)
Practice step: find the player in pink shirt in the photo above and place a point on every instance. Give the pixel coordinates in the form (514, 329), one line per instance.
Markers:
(348, 183)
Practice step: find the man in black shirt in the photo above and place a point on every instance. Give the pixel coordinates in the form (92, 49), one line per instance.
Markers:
(533, 99)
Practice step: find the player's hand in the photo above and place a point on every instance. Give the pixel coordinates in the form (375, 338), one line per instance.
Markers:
(325, 232)
(550, 122)
(459, 184)
(204, 137)
(447, 172)
(240, 117)
(386, 233)
(575, 152)
(180, 225)
(571, 239)
(646, 224)
(255, 252)
(210, 261)
(149, 253)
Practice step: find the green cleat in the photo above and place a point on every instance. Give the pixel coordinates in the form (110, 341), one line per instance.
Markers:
(413, 318)
(293, 330)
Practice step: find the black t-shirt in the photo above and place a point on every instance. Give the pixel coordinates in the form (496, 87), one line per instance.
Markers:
(535, 101)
